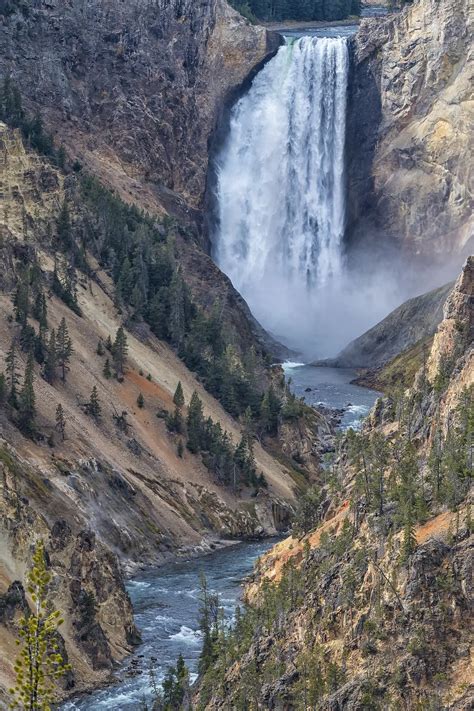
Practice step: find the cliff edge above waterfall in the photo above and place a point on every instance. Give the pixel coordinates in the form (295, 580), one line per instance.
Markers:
(410, 130)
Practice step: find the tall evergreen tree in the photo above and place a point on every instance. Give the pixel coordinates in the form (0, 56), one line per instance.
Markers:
(106, 371)
(40, 310)
(21, 300)
(177, 319)
(40, 663)
(61, 422)
(51, 361)
(195, 423)
(64, 348)
(175, 422)
(93, 407)
(63, 227)
(11, 362)
(119, 350)
(27, 399)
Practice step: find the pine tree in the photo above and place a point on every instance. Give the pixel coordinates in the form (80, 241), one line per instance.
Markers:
(51, 361)
(93, 407)
(100, 348)
(21, 300)
(39, 663)
(3, 389)
(40, 311)
(140, 400)
(175, 422)
(64, 348)
(108, 343)
(119, 350)
(39, 347)
(409, 537)
(12, 374)
(27, 400)
(178, 397)
(180, 449)
(63, 227)
(177, 319)
(61, 421)
(195, 423)
(106, 372)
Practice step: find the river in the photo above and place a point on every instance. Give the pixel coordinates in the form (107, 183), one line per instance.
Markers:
(332, 387)
(166, 604)
(166, 600)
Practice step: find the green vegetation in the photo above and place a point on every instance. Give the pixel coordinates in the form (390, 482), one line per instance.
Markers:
(12, 113)
(142, 257)
(39, 663)
(232, 466)
(119, 351)
(175, 693)
(64, 348)
(304, 10)
(400, 371)
(61, 422)
(93, 407)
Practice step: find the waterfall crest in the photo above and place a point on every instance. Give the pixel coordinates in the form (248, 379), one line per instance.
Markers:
(280, 186)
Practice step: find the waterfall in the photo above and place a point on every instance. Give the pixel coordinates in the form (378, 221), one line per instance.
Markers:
(280, 187)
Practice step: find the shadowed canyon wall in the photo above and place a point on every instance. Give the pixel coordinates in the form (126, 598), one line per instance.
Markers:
(133, 89)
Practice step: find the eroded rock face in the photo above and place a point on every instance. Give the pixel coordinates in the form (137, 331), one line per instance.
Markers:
(410, 129)
(414, 320)
(133, 89)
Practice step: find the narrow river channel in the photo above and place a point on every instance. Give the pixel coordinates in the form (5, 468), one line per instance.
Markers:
(166, 600)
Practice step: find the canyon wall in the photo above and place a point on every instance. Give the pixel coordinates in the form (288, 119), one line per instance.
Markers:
(410, 130)
(134, 89)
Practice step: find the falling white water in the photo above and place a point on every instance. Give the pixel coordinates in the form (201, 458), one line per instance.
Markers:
(280, 188)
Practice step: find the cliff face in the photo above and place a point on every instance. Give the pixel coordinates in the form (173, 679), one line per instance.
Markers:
(133, 89)
(413, 321)
(410, 129)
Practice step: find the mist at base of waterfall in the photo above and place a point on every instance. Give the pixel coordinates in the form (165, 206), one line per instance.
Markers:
(319, 322)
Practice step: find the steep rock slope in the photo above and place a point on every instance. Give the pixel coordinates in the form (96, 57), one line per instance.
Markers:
(410, 129)
(115, 493)
(371, 608)
(133, 89)
(413, 321)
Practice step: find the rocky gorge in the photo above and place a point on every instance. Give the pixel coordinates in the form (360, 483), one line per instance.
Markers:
(136, 97)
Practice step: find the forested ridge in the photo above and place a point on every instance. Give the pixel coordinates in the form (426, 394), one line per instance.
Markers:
(276, 10)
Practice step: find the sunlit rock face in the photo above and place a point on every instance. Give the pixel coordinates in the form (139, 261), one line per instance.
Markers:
(410, 130)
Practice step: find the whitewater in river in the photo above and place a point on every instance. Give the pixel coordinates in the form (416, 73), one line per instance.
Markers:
(166, 605)
(281, 187)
